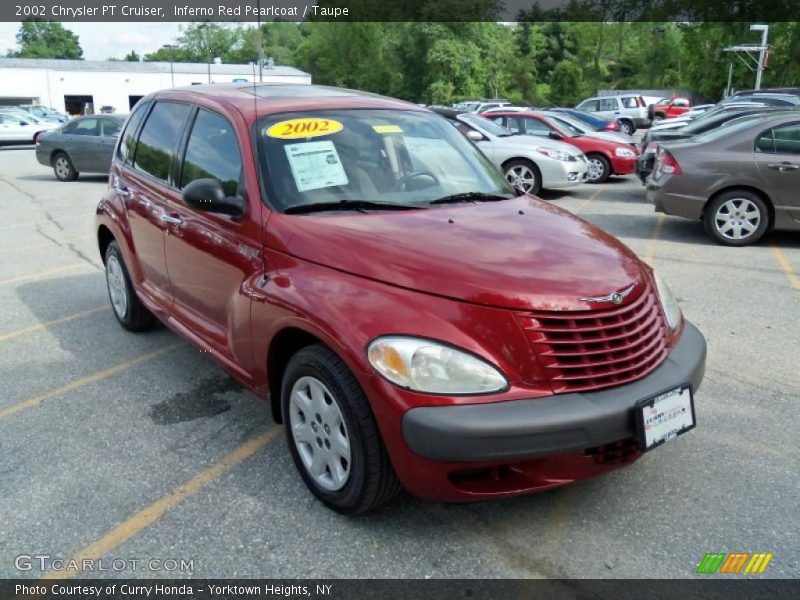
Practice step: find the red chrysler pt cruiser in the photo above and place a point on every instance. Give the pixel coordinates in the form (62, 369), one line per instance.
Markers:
(413, 320)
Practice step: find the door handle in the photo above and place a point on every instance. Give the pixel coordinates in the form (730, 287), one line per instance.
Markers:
(784, 166)
(170, 219)
(122, 191)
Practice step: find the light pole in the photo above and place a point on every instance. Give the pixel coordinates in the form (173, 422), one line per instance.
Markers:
(204, 27)
(764, 29)
(171, 48)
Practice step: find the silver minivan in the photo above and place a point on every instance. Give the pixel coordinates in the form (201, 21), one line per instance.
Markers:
(629, 109)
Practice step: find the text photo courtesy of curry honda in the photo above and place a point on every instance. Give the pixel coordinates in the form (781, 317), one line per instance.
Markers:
(398, 285)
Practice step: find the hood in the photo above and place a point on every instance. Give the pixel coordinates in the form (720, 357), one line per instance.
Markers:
(521, 253)
(612, 136)
(531, 142)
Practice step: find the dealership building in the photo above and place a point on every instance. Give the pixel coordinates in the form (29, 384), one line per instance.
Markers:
(70, 85)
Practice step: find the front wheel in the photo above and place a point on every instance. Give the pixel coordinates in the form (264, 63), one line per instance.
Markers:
(599, 168)
(736, 218)
(523, 175)
(332, 434)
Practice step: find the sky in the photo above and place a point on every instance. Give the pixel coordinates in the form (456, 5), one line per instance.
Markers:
(103, 40)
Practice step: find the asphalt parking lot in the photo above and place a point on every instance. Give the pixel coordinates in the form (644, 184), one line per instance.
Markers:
(117, 445)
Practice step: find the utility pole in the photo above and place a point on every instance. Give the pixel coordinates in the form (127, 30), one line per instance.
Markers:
(171, 48)
(260, 46)
(764, 29)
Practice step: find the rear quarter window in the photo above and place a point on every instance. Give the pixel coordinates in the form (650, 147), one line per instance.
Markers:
(127, 146)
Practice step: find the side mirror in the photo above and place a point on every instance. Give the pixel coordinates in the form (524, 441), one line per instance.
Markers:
(208, 195)
(554, 135)
(474, 135)
(23, 122)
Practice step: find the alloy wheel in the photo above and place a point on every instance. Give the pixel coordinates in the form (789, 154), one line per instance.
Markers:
(596, 169)
(521, 177)
(62, 167)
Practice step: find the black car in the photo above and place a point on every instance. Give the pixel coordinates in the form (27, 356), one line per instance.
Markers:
(651, 140)
(83, 145)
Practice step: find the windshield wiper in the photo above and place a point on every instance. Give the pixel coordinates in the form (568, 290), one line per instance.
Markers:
(470, 197)
(348, 205)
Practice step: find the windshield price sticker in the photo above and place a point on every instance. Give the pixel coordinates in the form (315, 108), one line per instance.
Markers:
(303, 128)
(315, 165)
(387, 129)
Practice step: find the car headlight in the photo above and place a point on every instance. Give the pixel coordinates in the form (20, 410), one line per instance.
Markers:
(557, 154)
(624, 152)
(669, 303)
(425, 366)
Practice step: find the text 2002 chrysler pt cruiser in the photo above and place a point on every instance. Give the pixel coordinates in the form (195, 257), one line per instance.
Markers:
(413, 320)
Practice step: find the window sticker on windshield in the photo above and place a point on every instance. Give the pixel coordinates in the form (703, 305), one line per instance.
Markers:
(387, 129)
(303, 128)
(315, 165)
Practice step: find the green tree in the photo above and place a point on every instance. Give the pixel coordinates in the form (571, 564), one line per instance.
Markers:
(132, 56)
(566, 84)
(46, 39)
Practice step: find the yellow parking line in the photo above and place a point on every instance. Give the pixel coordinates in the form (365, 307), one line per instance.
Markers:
(586, 202)
(152, 513)
(83, 381)
(651, 245)
(787, 268)
(43, 245)
(13, 334)
(39, 274)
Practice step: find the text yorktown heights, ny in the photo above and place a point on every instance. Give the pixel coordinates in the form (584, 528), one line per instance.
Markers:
(159, 590)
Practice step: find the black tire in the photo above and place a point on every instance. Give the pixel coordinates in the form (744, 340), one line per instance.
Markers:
(63, 168)
(602, 164)
(723, 226)
(136, 316)
(627, 127)
(371, 481)
(515, 167)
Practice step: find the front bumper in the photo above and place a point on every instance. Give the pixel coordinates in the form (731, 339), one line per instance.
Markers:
(563, 423)
(623, 165)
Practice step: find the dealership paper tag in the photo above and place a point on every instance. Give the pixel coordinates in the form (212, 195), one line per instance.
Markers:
(387, 129)
(303, 128)
(315, 165)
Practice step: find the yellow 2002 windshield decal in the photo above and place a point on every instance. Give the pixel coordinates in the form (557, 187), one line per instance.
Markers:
(304, 128)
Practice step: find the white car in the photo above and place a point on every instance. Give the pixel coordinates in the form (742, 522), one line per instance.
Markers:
(529, 163)
(21, 128)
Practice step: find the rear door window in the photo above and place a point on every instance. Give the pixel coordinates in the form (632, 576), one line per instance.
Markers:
(629, 102)
(608, 104)
(85, 127)
(160, 135)
(787, 139)
(212, 152)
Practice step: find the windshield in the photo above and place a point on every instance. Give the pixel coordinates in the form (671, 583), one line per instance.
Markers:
(389, 156)
(565, 121)
(570, 130)
(485, 125)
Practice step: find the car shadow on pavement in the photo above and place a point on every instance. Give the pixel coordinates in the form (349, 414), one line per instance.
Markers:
(48, 176)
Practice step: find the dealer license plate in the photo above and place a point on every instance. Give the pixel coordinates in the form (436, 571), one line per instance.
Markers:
(665, 417)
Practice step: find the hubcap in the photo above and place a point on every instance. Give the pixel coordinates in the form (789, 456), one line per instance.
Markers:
(117, 289)
(737, 218)
(62, 166)
(596, 169)
(320, 434)
(521, 177)
(626, 128)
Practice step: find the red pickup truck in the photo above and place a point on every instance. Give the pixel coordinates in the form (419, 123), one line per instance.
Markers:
(668, 108)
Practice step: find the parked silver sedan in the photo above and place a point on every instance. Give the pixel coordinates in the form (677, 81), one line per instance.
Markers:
(740, 180)
(83, 145)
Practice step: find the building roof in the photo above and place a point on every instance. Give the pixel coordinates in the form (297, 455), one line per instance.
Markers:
(57, 64)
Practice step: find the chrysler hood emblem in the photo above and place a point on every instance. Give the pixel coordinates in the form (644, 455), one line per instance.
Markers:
(614, 297)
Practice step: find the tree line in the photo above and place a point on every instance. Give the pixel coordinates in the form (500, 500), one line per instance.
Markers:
(541, 63)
